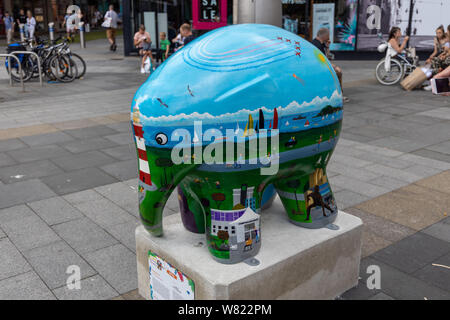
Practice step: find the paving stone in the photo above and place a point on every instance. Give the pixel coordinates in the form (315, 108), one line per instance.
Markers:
(47, 138)
(431, 155)
(78, 180)
(83, 160)
(51, 263)
(122, 170)
(431, 134)
(400, 144)
(379, 150)
(55, 210)
(350, 161)
(422, 171)
(89, 144)
(381, 296)
(84, 236)
(381, 227)
(124, 152)
(360, 292)
(400, 285)
(347, 198)
(125, 233)
(425, 161)
(12, 262)
(372, 242)
(356, 173)
(443, 147)
(2, 234)
(104, 212)
(29, 170)
(354, 137)
(132, 295)
(384, 160)
(412, 206)
(117, 265)
(25, 286)
(6, 160)
(38, 153)
(11, 144)
(91, 132)
(82, 196)
(413, 253)
(388, 182)
(93, 288)
(436, 273)
(374, 115)
(372, 132)
(123, 126)
(398, 174)
(23, 191)
(439, 230)
(358, 186)
(397, 111)
(122, 195)
(121, 138)
(440, 113)
(439, 182)
(28, 232)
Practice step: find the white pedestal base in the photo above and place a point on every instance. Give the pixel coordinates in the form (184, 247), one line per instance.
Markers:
(295, 262)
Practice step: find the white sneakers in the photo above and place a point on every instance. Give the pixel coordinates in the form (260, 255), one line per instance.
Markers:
(142, 70)
(427, 88)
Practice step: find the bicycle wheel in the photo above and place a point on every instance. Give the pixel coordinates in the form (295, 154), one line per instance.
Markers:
(81, 65)
(26, 65)
(63, 68)
(391, 77)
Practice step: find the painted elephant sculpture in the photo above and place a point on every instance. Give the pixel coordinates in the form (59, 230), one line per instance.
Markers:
(239, 110)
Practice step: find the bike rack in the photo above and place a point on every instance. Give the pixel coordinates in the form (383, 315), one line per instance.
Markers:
(8, 56)
(38, 60)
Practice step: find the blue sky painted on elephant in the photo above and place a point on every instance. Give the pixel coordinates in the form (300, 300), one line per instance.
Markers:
(228, 73)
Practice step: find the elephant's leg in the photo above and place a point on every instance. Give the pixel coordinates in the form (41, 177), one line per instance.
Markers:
(308, 199)
(232, 220)
(192, 208)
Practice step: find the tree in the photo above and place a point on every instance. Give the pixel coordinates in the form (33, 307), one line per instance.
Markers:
(218, 198)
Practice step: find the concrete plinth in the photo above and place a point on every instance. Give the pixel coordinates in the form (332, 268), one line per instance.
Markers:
(295, 262)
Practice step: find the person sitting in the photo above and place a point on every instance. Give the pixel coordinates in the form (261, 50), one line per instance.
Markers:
(394, 40)
(143, 42)
(443, 74)
(322, 42)
(440, 58)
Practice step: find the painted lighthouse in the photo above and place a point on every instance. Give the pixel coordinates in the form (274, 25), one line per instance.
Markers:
(145, 181)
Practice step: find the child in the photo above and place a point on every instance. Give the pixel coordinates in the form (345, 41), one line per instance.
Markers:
(164, 45)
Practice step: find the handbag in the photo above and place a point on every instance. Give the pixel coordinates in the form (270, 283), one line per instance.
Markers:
(107, 23)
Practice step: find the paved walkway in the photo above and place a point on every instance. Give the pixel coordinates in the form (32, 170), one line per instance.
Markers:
(68, 183)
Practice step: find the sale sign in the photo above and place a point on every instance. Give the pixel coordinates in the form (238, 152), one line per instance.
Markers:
(209, 14)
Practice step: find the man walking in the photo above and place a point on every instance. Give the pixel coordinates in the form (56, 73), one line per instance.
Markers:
(322, 42)
(111, 19)
(9, 27)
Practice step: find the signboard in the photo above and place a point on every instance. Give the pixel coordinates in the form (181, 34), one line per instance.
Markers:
(323, 17)
(167, 282)
(379, 16)
(209, 14)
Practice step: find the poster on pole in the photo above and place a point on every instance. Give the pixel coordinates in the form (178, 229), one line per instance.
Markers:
(323, 17)
(167, 282)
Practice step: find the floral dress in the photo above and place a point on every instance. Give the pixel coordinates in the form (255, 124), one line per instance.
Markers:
(437, 64)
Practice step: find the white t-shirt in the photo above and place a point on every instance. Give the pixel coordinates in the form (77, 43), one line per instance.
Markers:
(31, 23)
(114, 18)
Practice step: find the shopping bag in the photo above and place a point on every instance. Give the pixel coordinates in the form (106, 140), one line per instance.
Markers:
(415, 79)
(107, 23)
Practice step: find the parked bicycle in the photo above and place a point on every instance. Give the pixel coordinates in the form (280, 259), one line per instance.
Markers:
(394, 67)
(57, 60)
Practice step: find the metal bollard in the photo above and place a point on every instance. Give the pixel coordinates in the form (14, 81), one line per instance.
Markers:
(82, 42)
(51, 31)
(22, 32)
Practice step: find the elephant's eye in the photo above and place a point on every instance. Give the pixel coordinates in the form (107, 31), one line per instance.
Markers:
(161, 139)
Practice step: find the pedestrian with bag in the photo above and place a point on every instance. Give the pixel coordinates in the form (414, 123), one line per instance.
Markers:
(110, 23)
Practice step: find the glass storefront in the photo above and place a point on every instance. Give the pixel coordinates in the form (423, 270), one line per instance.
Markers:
(305, 17)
